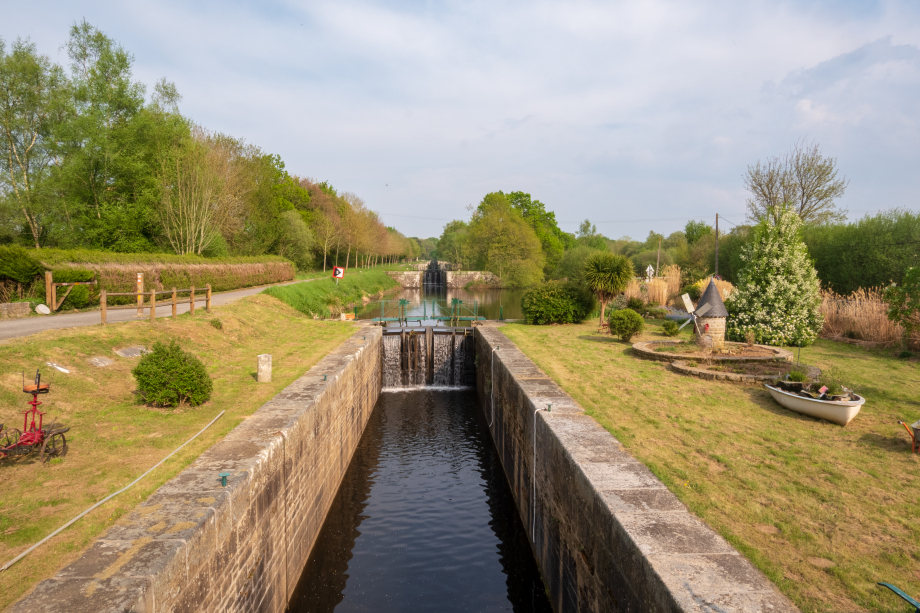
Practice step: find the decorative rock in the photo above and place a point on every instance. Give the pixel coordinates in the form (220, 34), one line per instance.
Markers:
(132, 352)
(41, 309)
(100, 362)
(264, 372)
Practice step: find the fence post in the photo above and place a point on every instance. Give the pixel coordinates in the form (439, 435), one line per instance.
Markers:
(49, 283)
(191, 302)
(104, 303)
(174, 302)
(140, 294)
(208, 301)
(153, 305)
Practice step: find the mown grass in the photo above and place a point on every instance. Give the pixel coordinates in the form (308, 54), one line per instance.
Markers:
(113, 439)
(825, 512)
(324, 297)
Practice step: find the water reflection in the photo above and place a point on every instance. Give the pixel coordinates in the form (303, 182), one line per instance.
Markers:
(423, 520)
(489, 303)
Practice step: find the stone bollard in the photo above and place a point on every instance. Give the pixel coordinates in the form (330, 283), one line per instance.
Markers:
(264, 372)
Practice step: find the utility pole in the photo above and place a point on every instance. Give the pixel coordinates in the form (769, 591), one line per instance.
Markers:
(717, 244)
(658, 262)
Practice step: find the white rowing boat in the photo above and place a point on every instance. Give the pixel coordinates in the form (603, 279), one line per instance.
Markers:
(837, 411)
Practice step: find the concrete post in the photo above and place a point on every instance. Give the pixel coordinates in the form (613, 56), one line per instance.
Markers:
(264, 371)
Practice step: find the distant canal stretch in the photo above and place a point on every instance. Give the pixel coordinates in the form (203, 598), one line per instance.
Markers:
(490, 302)
(423, 520)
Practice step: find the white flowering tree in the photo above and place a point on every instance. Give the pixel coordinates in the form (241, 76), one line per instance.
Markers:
(778, 295)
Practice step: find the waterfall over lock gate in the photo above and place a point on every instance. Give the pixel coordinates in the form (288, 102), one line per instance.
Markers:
(428, 357)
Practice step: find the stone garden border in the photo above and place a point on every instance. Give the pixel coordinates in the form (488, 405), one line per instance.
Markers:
(646, 349)
(684, 368)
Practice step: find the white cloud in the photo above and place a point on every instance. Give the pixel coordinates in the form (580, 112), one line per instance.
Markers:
(600, 109)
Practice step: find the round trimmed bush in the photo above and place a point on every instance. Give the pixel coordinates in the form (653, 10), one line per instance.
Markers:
(625, 323)
(168, 376)
(556, 302)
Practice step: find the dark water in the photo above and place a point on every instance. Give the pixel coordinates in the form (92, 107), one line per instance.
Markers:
(423, 520)
(490, 302)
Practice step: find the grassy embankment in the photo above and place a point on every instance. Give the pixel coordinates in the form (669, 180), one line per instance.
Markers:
(824, 511)
(319, 274)
(323, 298)
(113, 439)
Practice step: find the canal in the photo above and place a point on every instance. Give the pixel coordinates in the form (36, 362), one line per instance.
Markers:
(491, 303)
(424, 519)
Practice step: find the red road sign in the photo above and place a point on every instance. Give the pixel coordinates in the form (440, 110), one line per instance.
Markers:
(338, 273)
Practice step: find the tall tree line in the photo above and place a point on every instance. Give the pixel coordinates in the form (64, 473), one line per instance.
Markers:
(90, 160)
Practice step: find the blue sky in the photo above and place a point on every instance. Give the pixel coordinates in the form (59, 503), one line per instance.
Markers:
(616, 112)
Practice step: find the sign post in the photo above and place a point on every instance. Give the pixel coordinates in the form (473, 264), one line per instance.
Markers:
(338, 273)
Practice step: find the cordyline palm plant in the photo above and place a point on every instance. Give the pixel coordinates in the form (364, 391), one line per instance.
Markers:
(606, 275)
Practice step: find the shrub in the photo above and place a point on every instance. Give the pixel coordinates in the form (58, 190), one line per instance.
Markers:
(556, 302)
(169, 376)
(216, 323)
(778, 296)
(18, 265)
(635, 304)
(625, 324)
(904, 301)
(694, 291)
(657, 313)
(670, 328)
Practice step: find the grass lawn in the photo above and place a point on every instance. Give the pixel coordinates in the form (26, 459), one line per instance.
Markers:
(824, 511)
(113, 439)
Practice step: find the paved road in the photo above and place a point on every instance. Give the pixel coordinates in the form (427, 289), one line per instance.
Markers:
(13, 328)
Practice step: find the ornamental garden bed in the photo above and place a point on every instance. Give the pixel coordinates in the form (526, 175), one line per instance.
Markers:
(747, 372)
(673, 351)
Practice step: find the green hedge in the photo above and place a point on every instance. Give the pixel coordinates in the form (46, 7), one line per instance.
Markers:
(324, 298)
(557, 302)
(52, 258)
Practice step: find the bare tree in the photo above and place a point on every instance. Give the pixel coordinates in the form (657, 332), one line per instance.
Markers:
(203, 190)
(803, 178)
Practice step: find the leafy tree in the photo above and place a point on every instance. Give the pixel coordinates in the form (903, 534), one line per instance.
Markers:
(552, 239)
(874, 251)
(588, 236)
(606, 275)
(803, 178)
(296, 239)
(695, 230)
(452, 246)
(502, 242)
(904, 301)
(33, 96)
(572, 266)
(777, 295)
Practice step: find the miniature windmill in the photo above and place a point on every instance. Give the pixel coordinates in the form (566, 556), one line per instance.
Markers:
(710, 305)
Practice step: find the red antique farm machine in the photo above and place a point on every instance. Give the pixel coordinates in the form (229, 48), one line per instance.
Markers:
(49, 441)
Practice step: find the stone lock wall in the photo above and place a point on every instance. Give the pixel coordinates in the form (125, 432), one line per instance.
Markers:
(607, 534)
(412, 280)
(195, 546)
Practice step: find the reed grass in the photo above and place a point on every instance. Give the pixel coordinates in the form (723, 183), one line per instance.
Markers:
(660, 290)
(862, 315)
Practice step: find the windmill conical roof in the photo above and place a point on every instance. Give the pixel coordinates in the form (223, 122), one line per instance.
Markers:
(713, 298)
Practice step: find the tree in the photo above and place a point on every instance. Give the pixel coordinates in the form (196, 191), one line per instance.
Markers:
(777, 294)
(296, 239)
(606, 275)
(587, 235)
(695, 230)
(202, 192)
(904, 302)
(452, 244)
(552, 239)
(803, 179)
(502, 242)
(33, 95)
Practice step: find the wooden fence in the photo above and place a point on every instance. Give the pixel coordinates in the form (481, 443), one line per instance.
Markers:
(152, 303)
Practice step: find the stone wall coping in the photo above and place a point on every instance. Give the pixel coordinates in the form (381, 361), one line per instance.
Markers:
(149, 556)
(668, 559)
(646, 349)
